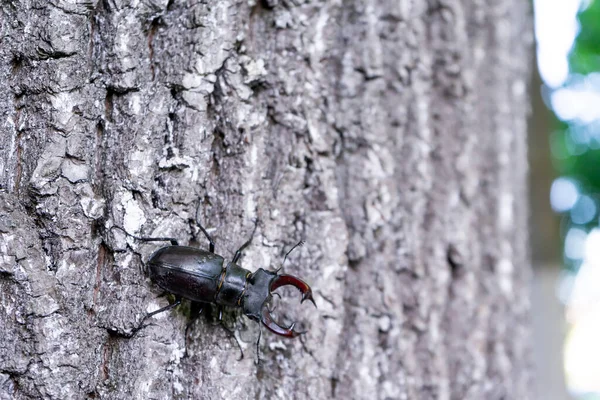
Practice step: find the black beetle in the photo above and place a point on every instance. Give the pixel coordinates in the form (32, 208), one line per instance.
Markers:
(202, 276)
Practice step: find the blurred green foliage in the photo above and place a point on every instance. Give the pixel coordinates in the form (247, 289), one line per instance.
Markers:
(585, 55)
(575, 144)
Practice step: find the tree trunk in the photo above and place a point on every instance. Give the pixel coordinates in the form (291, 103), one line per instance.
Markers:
(390, 136)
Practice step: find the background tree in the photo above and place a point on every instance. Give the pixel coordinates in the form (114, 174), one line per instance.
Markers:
(391, 136)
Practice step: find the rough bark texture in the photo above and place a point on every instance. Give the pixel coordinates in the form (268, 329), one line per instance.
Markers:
(390, 135)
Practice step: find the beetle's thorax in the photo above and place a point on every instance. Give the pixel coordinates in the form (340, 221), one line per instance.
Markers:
(239, 287)
(231, 285)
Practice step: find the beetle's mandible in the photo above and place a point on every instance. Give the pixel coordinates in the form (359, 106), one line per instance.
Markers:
(202, 276)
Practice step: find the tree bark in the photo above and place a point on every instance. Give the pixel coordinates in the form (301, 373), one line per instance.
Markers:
(391, 136)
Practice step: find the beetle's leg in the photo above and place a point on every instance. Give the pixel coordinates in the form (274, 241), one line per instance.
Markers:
(211, 246)
(282, 280)
(230, 332)
(238, 253)
(196, 309)
(195, 317)
(166, 308)
(148, 239)
(258, 346)
(161, 239)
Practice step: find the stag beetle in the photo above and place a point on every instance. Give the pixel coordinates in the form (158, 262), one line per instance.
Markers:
(202, 276)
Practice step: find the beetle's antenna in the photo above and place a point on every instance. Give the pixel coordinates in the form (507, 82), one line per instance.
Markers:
(300, 243)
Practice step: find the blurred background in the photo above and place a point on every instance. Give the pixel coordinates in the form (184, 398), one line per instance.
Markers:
(564, 146)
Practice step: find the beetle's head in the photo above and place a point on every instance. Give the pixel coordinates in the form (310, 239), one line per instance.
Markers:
(261, 284)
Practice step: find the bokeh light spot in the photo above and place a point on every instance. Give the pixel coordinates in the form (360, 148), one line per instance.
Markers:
(563, 194)
(575, 243)
(584, 210)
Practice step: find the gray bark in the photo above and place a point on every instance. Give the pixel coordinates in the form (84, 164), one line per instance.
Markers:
(391, 136)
